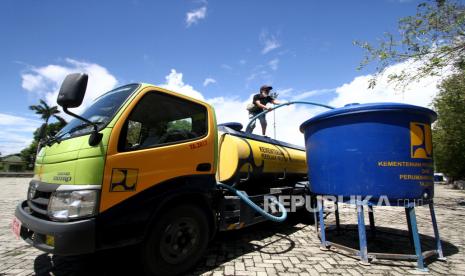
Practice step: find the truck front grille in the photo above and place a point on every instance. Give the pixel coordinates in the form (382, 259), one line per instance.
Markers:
(39, 196)
(39, 203)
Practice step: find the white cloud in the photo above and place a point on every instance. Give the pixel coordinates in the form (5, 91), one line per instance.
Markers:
(194, 16)
(288, 121)
(232, 109)
(32, 82)
(285, 92)
(175, 82)
(17, 121)
(16, 132)
(226, 67)
(45, 81)
(311, 93)
(11, 142)
(269, 42)
(208, 81)
(261, 73)
(274, 64)
(419, 93)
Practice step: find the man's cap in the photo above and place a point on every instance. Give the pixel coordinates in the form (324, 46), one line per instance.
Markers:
(266, 87)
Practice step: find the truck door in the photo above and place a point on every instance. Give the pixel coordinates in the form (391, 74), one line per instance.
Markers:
(161, 136)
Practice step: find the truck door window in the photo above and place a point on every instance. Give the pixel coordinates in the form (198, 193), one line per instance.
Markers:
(134, 131)
(159, 119)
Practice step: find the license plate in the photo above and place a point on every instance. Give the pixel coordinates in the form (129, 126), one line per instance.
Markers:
(16, 227)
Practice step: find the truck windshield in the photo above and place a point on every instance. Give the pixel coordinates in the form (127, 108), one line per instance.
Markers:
(100, 112)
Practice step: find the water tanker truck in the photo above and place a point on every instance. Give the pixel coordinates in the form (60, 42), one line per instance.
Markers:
(145, 165)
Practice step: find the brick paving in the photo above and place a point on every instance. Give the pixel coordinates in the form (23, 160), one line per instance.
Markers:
(291, 248)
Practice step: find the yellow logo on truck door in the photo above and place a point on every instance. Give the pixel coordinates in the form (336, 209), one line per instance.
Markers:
(123, 180)
(421, 145)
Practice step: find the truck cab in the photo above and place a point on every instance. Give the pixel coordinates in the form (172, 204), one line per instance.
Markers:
(157, 154)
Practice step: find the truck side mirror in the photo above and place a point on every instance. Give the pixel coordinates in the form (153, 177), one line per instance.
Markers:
(72, 90)
(71, 94)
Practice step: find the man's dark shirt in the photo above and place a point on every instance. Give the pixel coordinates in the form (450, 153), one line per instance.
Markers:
(263, 101)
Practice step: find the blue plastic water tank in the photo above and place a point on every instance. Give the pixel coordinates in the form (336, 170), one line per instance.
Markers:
(377, 149)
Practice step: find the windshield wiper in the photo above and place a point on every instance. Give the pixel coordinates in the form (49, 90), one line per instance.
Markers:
(81, 126)
(51, 140)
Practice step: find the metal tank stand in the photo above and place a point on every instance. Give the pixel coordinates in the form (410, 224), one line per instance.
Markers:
(363, 253)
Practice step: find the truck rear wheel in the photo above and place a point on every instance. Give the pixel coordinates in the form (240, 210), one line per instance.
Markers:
(177, 240)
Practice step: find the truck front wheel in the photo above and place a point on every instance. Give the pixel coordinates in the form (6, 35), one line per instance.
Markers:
(177, 240)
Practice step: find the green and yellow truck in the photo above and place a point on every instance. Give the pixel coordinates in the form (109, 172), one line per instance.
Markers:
(141, 165)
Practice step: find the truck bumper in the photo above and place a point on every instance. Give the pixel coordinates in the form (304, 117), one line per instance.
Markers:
(59, 238)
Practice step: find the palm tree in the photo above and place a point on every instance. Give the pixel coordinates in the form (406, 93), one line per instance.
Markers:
(46, 112)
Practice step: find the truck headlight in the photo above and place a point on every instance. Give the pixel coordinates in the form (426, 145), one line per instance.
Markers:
(66, 205)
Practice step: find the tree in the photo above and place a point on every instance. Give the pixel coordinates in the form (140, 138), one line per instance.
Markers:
(179, 125)
(46, 112)
(29, 154)
(449, 130)
(433, 40)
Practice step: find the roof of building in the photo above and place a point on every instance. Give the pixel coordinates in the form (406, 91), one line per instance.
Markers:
(13, 158)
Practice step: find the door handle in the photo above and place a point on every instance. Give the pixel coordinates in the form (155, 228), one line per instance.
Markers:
(204, 167)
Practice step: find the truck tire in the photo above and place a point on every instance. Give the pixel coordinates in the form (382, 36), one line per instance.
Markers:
(177, 240)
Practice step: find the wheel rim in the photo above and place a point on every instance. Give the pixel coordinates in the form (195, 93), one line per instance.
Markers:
(179, 240)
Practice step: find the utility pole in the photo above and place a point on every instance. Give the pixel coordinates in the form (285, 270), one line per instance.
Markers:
(274, 96)
(274, 123)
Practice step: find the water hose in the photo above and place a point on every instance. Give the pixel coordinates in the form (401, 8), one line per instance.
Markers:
(284, 104)
(243, 196)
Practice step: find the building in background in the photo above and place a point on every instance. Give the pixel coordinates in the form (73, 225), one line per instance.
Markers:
(12, 163)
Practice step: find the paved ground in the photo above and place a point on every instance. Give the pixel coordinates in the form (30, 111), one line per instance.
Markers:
(266, 249)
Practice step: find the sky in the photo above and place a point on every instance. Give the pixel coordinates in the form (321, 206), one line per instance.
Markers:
(218, 51)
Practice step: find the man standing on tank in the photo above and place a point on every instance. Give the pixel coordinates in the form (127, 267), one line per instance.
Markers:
(258, 105)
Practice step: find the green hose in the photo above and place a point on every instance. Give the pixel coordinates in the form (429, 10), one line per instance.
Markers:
(243, 196)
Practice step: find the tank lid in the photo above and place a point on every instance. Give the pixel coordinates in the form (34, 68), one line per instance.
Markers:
(369, 107)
